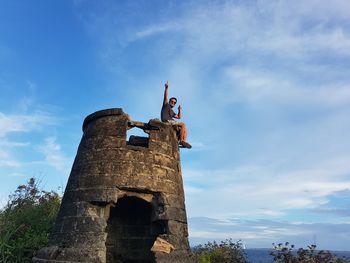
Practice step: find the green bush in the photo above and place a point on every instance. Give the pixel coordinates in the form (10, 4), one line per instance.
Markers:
(26, 222)
(225, 252)
(285, 253)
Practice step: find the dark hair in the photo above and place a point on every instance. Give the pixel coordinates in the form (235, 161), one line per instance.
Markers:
(173, 98)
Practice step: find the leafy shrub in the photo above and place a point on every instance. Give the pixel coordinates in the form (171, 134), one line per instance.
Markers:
(225, 252)
(26, 222)
(285, 253)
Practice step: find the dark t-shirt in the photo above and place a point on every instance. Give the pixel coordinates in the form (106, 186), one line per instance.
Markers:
(167, 113)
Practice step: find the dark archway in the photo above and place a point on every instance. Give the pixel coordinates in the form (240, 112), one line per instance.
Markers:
(130, 232)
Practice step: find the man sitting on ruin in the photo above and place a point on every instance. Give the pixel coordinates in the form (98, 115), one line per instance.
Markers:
(168, 115)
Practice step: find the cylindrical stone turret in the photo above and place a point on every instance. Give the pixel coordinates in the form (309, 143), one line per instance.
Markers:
(124, 201)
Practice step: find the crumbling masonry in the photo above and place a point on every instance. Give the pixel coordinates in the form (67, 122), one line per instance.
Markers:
(124, 201)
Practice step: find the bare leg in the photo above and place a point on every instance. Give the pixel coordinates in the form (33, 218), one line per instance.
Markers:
(183, 136)
(183, 131)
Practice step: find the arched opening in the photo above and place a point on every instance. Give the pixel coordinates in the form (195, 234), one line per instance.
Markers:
(130, 232)
(136, 137)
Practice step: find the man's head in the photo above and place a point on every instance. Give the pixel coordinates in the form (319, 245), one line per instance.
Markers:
(172, 101)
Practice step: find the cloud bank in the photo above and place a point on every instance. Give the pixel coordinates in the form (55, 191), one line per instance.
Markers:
(265, 90)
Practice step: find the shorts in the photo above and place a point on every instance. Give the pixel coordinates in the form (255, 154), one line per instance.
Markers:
(173, 122)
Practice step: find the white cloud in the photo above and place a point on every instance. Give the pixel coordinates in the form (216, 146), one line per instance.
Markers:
(262, 233)
(336, 95)
(19, 123)
(215, 36)
(264, 191)
(154, 30)
(260, 87)
(54, 154)
(23, 123)
(226, 28)
(193, 190)
(256, 52)
(26, 103)
(7, 161)
(299, 45)
(6, 158)
(5, 143)
(316, 9)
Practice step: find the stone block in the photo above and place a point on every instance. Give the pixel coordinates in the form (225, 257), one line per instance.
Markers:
(77, 239)
(173, 213)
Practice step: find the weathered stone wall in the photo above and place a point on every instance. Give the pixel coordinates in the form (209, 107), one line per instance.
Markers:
(143, 172)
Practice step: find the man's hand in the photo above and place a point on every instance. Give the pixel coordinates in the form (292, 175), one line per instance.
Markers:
(179, 114)
(165, 99)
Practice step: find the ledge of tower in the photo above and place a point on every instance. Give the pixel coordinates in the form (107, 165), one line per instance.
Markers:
(103, 113)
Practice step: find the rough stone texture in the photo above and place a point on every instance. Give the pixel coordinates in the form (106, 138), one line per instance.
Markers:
(122, 196)
(161, 245)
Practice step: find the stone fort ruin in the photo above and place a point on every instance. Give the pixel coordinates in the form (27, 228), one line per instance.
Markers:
(124, 200)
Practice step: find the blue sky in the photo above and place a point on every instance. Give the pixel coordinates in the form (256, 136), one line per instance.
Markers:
(265, 91)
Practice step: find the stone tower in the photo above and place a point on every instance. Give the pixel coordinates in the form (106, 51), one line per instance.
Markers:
(124, 201)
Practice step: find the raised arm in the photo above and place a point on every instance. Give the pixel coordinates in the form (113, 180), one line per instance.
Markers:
(165, 100)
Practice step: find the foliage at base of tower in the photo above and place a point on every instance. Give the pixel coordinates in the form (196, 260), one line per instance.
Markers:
(26, 222)
(225, 252)
(285, 253)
